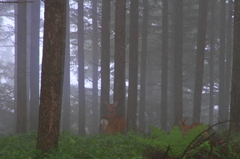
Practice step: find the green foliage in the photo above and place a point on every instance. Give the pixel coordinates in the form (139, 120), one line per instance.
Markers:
(131, 145)
(72, 146)
(177, 143)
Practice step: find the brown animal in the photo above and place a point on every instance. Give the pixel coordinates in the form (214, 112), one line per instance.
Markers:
(112, 123)
(185, 128)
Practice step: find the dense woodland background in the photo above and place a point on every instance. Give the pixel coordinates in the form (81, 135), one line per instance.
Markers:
(178, 63)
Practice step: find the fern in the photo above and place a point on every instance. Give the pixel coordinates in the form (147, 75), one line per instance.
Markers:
(177, 143)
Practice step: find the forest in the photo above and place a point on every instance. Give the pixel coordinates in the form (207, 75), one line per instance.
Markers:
(119, 79)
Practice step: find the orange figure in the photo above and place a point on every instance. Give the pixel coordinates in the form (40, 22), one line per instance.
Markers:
(112, 123)
(185, 128)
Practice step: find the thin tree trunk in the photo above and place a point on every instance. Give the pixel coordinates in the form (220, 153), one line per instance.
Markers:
(164, 90)
(211, 61)
(133, 66)
(66, 81)
(201, 39)
(105, 57)
(21, 69)
(223, 109)
(178, 53)
(34, 65)
(235, 94)
(119, 65)
(228, 55)
(143, 68)
(81, 87)
(95, 113)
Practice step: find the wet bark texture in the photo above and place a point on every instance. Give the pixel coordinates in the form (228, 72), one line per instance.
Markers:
(52, 75)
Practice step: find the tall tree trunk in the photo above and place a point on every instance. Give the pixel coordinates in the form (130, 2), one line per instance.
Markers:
(52, 75)
(178, 53)
(143, 68)
(211, 61)
(105, 57)
(66, 81)
(164, 90)
(34, 65)
(171, 118)
(15, 65)
(81, 87)
(228, 55)
(201, 39)
(21, 126)
(95, 113)
(133, 66)
(119, 65)
(223, 109)
(235, 89)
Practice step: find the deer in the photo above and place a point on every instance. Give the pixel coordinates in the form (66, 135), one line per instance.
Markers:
(112, 123)
(185, 128)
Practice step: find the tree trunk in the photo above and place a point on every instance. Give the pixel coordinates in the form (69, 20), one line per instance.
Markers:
(133, 66)
(178, 53)
(119, 65)
(52, 75)
(201, 39)
(105, 57)
(95, 121)
(229, 30)
(164, 90)
(34, 65)
(21, 126)
(211, 61)
(81, 87)
(235, 89)
(143, 68)
(66, 82)
(223, 108)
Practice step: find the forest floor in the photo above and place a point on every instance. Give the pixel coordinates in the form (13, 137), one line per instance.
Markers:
(133, 145)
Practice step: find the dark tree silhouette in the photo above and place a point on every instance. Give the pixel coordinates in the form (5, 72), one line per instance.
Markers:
(133, 66)
(235, 94)
(52, 75)
(66, 82)
(211, 61)
(178, 53)
(143, 67)
(119, 73)
(81, 76)
(201, 39)
(105, 57)
(95, 119)
(34, 65)
(164, 90)
(21, 126)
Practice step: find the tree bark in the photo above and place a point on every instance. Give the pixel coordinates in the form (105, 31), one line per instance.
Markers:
(105, 57)
(143, 68)
(95, 114)
(21, 126)
(201, 40)
(178, 53)
(81, 83)
(119, 65)
(164, 90)
(211, 61)
(66, 82)
(133, 66)
(235, 89)
(34, 65)
(52, 75)
(223, 108)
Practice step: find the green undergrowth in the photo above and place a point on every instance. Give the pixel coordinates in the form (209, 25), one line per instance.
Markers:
(133, 145)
